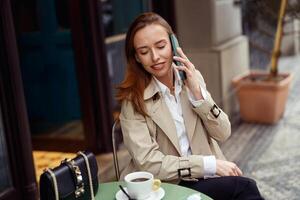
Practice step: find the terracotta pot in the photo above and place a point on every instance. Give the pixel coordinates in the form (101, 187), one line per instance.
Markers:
(262, 101)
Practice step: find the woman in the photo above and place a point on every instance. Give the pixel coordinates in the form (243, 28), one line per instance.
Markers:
(171, 127)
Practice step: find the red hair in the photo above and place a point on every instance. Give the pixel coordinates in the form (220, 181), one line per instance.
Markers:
(136, 77)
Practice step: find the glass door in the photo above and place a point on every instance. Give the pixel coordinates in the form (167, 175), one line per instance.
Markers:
(49, 74)
(5, 173)
(117, 15)
(17, 179)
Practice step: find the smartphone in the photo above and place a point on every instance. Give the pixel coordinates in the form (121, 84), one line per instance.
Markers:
(174, 44)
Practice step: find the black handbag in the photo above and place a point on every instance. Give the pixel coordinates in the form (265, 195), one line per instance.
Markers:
(72, 179)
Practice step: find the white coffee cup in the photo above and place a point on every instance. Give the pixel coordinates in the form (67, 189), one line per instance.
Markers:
(141, 184)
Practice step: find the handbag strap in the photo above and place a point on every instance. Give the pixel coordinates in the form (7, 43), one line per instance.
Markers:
(54, 183)
(89, 173)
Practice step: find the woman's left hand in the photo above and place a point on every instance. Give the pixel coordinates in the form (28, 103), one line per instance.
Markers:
(191, 79)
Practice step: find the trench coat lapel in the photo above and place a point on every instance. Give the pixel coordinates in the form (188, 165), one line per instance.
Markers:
(160, 114)
(189, 116)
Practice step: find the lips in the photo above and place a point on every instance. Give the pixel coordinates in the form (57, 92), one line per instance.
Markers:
(158, 66)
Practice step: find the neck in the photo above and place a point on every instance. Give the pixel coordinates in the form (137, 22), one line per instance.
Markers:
(168, 80)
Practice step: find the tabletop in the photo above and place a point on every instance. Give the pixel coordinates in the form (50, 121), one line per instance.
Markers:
(107, 191)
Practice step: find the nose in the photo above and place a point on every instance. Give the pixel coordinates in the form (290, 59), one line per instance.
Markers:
(154, 55)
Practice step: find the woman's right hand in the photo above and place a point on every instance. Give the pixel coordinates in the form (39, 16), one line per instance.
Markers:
(226, 168)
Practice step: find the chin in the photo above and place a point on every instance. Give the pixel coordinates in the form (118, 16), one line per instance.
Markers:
(161, 74)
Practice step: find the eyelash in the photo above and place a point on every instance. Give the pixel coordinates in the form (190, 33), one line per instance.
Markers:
(159, 47)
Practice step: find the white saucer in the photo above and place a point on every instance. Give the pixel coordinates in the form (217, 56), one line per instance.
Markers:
(157, 195)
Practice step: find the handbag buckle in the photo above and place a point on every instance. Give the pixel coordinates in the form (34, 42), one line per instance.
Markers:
(77, 175)
(80, 185)
(79, 191)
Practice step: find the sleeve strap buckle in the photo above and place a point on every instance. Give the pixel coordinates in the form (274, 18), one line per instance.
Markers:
(184, 172)
(215, 111)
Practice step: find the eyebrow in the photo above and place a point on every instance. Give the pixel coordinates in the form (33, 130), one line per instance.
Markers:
(162, 40)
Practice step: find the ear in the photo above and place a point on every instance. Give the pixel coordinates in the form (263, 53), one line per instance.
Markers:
(137, 58)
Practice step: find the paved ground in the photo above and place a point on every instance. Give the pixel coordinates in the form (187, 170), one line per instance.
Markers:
(271, 153)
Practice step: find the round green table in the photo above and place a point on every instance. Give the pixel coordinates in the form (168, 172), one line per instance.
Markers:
(107, 191)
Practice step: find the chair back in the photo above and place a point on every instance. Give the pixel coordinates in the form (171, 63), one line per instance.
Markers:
(116, 130)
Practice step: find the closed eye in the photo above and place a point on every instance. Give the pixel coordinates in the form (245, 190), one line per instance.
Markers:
(144, 52)
(161, 44)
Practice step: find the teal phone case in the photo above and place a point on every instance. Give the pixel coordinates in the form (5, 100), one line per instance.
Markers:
(174, 43)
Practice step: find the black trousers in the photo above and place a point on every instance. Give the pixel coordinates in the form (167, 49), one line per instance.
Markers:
(226, 188)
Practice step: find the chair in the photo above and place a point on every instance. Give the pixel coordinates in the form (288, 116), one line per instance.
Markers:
(116, 129)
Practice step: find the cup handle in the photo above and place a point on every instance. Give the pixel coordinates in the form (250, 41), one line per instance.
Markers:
(156, 184)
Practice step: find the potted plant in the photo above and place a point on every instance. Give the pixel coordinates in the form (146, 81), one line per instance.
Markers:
(262, 96)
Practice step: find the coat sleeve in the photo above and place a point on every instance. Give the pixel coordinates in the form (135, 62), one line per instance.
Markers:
(218, 127)
(146, 153)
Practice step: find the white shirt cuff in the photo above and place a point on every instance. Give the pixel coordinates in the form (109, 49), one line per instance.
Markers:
(210, 165)
(197, 103)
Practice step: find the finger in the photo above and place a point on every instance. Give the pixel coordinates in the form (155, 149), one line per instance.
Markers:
(186, 62)
(236, 172)
(184, 68)
(180, 52)
(178, 68)
(237, 169)
(180, 59)
(174, 65)
(240, 173)
(232, 172)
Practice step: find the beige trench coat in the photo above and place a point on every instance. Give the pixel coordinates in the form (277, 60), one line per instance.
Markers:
(152, 141)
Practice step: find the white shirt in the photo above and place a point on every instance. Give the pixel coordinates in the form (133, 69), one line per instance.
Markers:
(174, 106)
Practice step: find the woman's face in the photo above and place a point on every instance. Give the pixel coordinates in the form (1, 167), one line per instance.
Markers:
(153, 51)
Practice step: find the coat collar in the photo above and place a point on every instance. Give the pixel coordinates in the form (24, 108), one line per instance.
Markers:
(160, 114)
(189, 115)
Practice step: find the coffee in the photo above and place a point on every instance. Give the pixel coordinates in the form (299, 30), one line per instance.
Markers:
(139, 179)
